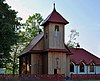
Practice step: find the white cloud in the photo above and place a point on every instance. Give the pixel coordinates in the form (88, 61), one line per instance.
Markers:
(19, 7)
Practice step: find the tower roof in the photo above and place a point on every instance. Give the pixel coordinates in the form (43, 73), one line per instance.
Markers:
(55, 17)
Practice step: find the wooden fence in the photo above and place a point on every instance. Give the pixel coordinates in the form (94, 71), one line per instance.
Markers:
(85, 77)
(28, 77)
(31, 77)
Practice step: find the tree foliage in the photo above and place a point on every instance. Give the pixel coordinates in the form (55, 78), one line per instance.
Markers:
(9, 24)
(72, 39)
(31, 28)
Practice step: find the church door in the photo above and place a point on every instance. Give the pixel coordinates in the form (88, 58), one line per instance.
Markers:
(57, 71)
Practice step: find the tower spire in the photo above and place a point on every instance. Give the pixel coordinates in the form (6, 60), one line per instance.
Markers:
(54, 6)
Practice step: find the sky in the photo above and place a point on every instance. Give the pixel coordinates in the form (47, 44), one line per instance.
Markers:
(83, 16)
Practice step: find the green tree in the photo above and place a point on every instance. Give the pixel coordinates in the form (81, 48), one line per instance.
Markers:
(31, 28)
(9, 24)
(72, 39)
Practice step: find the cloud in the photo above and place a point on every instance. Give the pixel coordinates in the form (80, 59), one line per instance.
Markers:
(23, 11)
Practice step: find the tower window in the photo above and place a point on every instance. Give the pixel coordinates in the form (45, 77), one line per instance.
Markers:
(56, 28)
(71, 67)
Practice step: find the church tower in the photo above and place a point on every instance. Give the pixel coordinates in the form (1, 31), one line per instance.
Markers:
(54, 30)
(57, 54)
(47, 53)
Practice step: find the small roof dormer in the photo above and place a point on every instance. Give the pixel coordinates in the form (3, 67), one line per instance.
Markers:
(55, 17)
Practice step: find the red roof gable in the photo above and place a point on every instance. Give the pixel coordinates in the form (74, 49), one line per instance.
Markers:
(81, 55)
(55, 17)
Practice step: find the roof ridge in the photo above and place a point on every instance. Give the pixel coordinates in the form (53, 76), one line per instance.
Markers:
(91, 53)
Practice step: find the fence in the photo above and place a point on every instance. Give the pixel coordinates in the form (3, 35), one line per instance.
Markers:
(85, 77)
(45, 77)
(31, 77)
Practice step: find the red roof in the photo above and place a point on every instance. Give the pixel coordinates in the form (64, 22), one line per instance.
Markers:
(55, 17)
(81, 55)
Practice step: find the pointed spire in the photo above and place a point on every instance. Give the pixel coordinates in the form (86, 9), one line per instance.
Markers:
(54, 6)
(54, 17)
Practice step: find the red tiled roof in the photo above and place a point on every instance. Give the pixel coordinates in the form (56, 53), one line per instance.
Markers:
(55, 17)
(81, 55)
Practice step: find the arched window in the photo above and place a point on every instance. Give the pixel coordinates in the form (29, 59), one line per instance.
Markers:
(92, 67)
(56, 28)
(71, 67)
(81, 67)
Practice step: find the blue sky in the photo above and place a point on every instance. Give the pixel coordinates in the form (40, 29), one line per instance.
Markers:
(83, 15)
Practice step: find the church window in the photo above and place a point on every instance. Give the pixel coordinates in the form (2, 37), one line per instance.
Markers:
(71, 67)
(28, 64)
(91, 68)
(57, 62)
(24, 68)
(81, 67)
(46, 34)
(56, 28)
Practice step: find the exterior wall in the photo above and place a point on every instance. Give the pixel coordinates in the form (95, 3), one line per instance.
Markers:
(87, 70)
(56, 38)
(36, 64)
(40, 45)
(45, 63)
(97, 69)
(67, 64)
(46, 38)
(62, 62)
(77, 70)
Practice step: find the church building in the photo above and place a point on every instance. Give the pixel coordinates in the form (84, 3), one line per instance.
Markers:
(48, 54)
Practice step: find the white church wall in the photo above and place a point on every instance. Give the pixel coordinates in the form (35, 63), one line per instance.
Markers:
(97, 69)
(86, 70)
(75, 71)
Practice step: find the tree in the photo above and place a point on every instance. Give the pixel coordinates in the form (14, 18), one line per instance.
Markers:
(31, 28)
(9, 24)
(72, 39)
